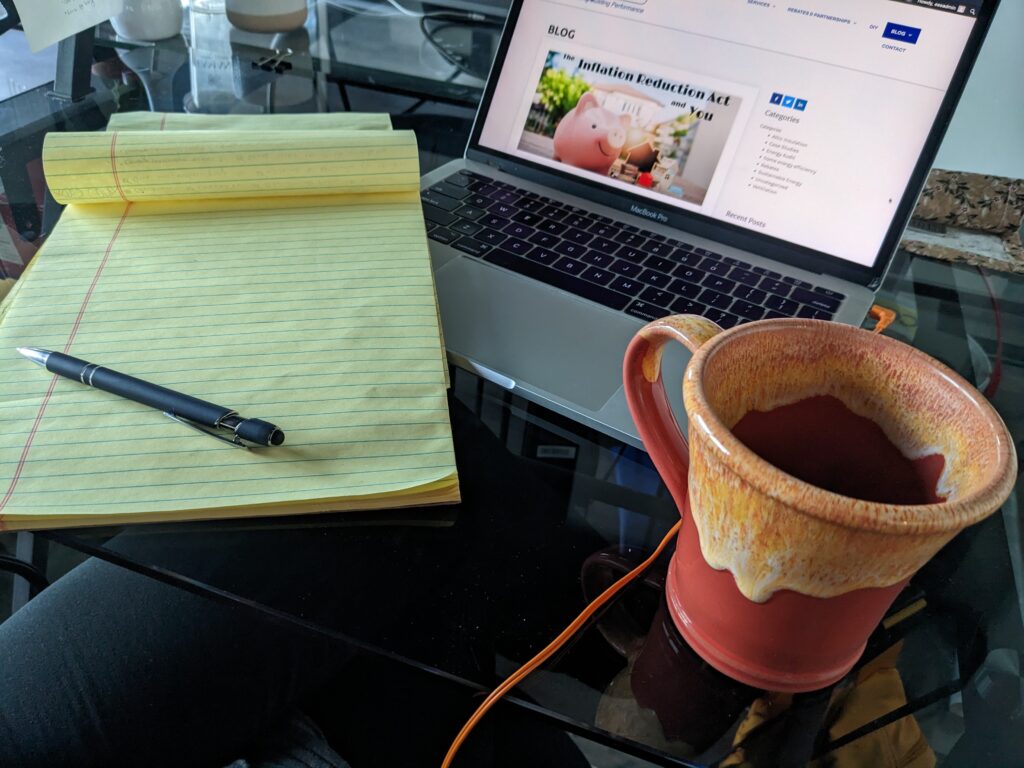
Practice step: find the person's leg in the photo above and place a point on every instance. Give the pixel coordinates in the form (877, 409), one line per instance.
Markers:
(109, 668)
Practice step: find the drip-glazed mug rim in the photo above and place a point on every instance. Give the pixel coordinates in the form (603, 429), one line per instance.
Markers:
(834, 508)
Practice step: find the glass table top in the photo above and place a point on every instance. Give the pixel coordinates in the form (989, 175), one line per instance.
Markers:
(551, 509)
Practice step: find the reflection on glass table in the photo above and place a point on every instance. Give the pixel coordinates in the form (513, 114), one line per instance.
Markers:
(440, 50)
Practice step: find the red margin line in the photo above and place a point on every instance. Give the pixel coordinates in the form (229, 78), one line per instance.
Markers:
(53, 381)
(113, 165)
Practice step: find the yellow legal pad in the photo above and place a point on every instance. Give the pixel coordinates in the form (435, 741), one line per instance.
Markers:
(282, 273)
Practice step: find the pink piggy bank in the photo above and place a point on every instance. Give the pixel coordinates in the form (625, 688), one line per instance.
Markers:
(589, 136)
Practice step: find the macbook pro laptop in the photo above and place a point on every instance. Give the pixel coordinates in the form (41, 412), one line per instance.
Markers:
(632, 159)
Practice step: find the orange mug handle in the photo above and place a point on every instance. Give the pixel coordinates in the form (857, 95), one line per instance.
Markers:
(648, 401)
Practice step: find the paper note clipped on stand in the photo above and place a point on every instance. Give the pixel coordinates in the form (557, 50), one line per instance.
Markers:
(282, 272)
(49, 21)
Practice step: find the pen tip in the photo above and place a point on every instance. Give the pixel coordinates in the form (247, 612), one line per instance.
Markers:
(37, 356)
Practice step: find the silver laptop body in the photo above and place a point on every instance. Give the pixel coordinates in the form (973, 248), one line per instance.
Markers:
(565, 352)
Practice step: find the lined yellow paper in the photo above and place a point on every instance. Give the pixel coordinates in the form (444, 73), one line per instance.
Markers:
(316, 313)
(128, 166)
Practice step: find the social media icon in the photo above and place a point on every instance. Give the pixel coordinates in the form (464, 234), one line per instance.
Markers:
(776, 98)
(800, 104)
(788, 101)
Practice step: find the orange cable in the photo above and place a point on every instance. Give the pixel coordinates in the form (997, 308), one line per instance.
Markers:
(516, 677)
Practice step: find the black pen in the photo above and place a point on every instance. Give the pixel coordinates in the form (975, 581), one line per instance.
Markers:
(191, 411)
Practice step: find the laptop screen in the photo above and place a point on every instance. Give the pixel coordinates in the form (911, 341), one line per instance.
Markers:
(801, 120)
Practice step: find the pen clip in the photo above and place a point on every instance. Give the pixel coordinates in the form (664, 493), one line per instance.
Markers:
(234, 440)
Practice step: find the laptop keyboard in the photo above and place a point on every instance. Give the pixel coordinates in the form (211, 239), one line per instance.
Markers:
(619, 265)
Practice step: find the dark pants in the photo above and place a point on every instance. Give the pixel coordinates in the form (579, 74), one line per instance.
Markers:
(108, 667)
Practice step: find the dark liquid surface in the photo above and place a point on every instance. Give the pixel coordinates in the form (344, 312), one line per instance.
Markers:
(822, 442)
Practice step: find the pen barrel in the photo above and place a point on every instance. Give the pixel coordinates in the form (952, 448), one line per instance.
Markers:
(130, 388)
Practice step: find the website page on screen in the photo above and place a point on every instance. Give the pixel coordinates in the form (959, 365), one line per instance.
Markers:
(800, 120)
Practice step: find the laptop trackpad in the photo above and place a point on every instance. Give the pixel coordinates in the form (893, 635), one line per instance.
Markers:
(533, 333)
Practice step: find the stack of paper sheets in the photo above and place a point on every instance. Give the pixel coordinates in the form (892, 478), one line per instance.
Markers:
(283, 273)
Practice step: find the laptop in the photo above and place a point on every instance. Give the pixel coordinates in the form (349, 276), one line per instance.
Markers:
(631, 159)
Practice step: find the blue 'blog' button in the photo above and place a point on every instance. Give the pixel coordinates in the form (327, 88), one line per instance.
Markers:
(902, 33)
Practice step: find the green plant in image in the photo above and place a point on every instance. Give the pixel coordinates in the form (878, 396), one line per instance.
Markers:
(559, 92)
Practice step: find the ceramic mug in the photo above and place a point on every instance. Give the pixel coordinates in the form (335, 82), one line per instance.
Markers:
(825, 466)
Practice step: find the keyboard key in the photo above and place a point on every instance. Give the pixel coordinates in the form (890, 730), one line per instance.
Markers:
(685, 306)
(722, 318)
(657, 296)
(571, 249)
(684, 288)
(442, 235)
(492, 236)
(597, 258)
(603, 244)
(601, 276)
(659, 263)
(478, 200)
(773, 315)
(655, 278)
(631, 254)
(816, 300)
(518, 230)
(526, 217)
(570, 266)
(688, 258)
(437, 215)
(632, 287)
(553, 277)
(798, 283)
(576, 220)
(553, 212)
(460, 179)
(706, 252)
(551, 226)
(626, 268)
(603, 230)
(656, 248)
(471, 212)
(628, 228)
(517, 246)
(543, 256)
(443, 202)
(715, 267)
(544, 239)
(774, 286)
(529, 205)
(645, 311)
(745, 276)
(505, 196)
(488, 188)
(746, 310)
(714, 299)
(630, 238)
(829, 292)
(472, 247)
(466, 228)
(717, 283)
(753, 295)
(578, 236)
(502, 209)
(452, 190)
(813, 314)
(736, 262)
(690, 274)
(766, 272)
(493, 222)
(785, 306)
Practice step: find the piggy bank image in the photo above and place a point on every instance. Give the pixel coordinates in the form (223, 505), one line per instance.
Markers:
(589, 136)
